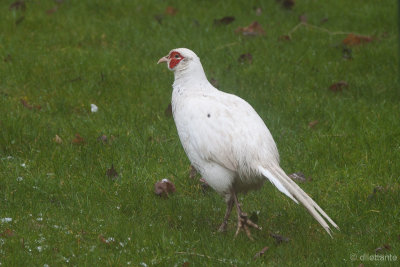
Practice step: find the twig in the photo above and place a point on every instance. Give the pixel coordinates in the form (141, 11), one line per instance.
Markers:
(202, 255)
(306, 25)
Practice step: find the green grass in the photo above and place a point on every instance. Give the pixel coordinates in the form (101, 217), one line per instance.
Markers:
(105, 52)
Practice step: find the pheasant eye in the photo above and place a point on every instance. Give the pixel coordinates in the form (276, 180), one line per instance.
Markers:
(176, 56)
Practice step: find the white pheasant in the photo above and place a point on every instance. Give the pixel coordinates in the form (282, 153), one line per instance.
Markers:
(227, 141)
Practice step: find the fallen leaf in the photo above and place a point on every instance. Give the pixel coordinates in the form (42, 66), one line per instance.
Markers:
(57, 139)
(52, 10)
(112, 173)
(192, 172)
(312, 124)
(353, 39)
(382, 249)
(29, 106)
(258, 11)
(168, 110)
(284, 38)
(171, 11)
(224, 21)
(102, 239)
(186, 264)
(252, 30)
(303, 18)
(322, 21)
(78, 140)
(299, 177)
(164, 187)
(18, 5)
(361, 265)
(7, 233)
(279, 238)
(338, 87)
(260, 253)
(245, 58)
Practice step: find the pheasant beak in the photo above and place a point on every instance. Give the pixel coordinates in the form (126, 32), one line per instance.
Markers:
(163, 59)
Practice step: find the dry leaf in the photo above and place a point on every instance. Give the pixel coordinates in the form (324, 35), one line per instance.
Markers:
(171, 11)
(186, 264)
(312, 124)
(224, 21)
(7, 233)
(251, 30)
(57, 139)
(52, 10)
(245, 58)
(78, 140)
(322, 21)
(168, 110)
(260, 253)
(18, 5)
(338, 87)
(383, 248)
(284, 38)
(279, 238)
(112, 173)
(164, 187)
(29, 106)
(353, 39)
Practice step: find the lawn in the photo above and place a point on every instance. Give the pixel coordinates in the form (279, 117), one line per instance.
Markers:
(77, 187)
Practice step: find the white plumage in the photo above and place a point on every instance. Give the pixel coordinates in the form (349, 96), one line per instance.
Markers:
(227, 141)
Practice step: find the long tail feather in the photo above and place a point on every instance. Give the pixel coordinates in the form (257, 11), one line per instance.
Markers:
(287, 186)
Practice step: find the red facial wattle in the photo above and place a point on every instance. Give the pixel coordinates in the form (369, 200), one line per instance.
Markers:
(175, 58)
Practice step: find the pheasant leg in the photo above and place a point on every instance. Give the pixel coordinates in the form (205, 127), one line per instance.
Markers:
(244, 223)
(229, 206)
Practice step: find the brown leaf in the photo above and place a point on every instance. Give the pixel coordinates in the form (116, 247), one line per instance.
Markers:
(7, 233)
(78, 140)
(284, 38)
(245, 58)
(102, 239)
(192, 172)
(52, 10)
(384, 248)
(303, 18)
(299, 177)
(57, 139)
(18, 5)
(29, 106)
(171, 11)
(279, 238)
(214, 82)
(186, 264)
(338, 87)
(353, 39)
(164, 187)
(252, 30)
(224, 21)
(361, 265)
(312, 124)
(112, 173)
(260, 253)
(322, 21)
(168, 110)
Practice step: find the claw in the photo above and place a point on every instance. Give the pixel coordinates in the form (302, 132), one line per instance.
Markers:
(244, 223)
